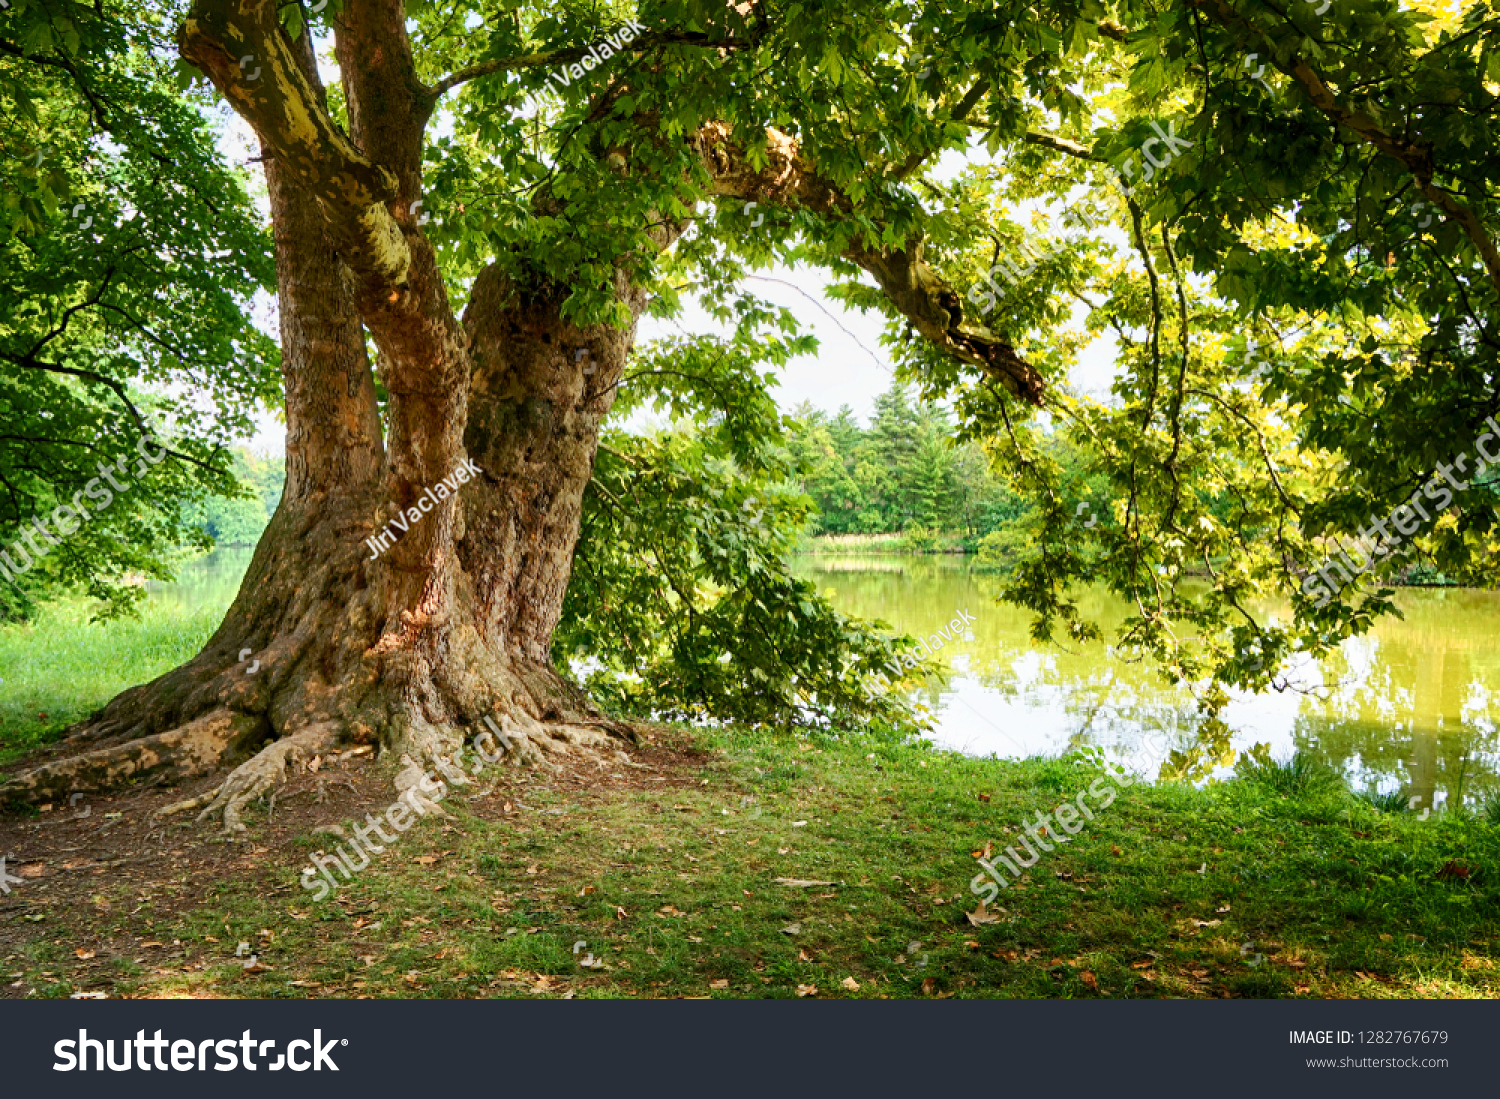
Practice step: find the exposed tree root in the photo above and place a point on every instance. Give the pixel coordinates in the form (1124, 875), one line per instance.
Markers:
(533, 743)
(192, 749)
(415, 791)
(420, 705)
(267, 770)
(187, 805)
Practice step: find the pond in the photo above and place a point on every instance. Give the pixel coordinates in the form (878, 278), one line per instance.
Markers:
(1408, 708)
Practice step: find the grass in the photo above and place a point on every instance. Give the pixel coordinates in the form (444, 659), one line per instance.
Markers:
(60, 668)
(1276, 883)
(1300, 775)
(1392, 801)
(675, 889)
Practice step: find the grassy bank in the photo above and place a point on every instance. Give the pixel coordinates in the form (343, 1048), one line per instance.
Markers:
(60, 668)
(1275, 884)
(751, 864)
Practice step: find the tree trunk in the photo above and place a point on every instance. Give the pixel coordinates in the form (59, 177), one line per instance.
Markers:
(413, 646)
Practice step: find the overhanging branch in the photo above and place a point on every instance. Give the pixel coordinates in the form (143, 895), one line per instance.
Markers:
(907, 280)
(1416, 156)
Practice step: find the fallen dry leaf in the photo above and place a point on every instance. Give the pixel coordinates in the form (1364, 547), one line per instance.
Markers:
(1090, 980)
(801, 883)
(807, 990)
(586, 890)
(803, 955)
(929, 986)
(84, 954)
(850, 983)
(724, 983)
(984, 797)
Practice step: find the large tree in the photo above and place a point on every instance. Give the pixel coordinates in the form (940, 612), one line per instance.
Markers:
(413, 646)
(572, 164)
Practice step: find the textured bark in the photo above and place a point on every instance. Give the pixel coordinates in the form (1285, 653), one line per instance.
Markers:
(540, 394)
(406, 649)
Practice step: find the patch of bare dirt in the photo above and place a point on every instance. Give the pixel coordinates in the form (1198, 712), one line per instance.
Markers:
(89, 870)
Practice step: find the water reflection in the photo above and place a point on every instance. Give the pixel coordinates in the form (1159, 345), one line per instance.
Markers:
(209, 581)
(1407, 708)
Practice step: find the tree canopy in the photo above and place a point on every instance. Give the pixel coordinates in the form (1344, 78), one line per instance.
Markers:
(129, 254)
(1282, 215)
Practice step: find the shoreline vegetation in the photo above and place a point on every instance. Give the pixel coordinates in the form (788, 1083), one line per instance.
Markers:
(951, 544)
(907, 484)
(885, 544)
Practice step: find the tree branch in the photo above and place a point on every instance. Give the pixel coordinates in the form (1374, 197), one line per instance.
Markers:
(1062, 145)
(960, 112)
(1416, 156)
(242, 50)
(908, 282)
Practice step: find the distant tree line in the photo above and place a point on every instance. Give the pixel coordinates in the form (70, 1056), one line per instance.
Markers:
(239, 520)
(904, 474)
